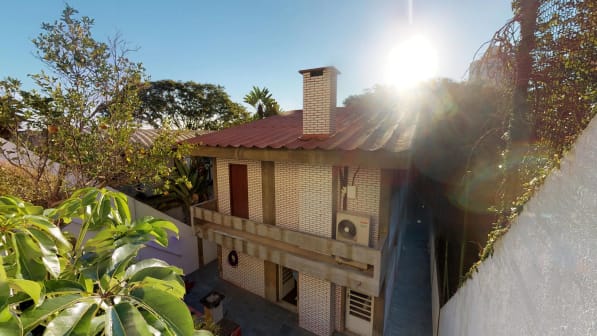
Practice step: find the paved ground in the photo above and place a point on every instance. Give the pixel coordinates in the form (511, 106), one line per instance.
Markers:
(410, 309)
(255, 315)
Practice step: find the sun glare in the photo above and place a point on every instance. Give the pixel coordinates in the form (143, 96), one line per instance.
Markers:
(412, 61)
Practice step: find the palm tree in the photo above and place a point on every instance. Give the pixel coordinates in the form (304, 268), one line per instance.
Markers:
(261, 99)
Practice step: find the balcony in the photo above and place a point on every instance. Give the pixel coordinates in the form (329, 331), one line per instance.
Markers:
(300, 251)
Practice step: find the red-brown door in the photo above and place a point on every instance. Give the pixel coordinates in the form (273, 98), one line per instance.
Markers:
(239, 191)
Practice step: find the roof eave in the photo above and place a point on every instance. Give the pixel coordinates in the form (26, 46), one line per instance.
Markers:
(380, 159)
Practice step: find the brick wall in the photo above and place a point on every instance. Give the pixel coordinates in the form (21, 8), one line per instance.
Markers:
(338, 308)
(315, 216)
(319, 102)
(287, 202)
(315, 305)
(249, 274)
(254, 183)
(367, 182)
(315, 199)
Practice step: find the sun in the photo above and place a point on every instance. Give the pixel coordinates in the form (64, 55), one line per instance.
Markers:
(411, 62)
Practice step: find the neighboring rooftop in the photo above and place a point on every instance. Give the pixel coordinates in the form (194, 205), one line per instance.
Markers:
(146, 137)
(355, 130)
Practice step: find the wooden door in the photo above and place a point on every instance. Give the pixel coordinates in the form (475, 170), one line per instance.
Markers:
(239, 191)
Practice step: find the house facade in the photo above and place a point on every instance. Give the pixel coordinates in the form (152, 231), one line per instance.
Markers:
(307, 207)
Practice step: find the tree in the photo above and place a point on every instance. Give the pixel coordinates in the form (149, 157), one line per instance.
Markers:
(263, 102)
(188, 105)
(378, 98)
(49, 286)
(188, 183)
(82, 115)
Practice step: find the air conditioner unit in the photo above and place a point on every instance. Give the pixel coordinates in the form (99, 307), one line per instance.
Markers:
(354, 228)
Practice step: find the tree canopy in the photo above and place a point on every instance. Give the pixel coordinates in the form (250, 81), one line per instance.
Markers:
(81, 115)
(188, 105)
(263, 102)
(379, 97)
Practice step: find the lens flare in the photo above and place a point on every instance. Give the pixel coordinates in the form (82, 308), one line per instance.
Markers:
(411, 62)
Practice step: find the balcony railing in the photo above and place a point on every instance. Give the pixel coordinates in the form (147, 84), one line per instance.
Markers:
(300, 251)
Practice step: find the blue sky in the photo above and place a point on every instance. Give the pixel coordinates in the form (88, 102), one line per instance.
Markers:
(239, 44)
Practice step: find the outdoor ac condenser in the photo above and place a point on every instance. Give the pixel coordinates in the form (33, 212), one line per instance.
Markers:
(354, 228)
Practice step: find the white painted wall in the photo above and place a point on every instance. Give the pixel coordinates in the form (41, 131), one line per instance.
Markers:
(542, 279)
(180, 252)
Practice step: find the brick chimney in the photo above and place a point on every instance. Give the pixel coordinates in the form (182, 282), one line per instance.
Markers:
(319, 102)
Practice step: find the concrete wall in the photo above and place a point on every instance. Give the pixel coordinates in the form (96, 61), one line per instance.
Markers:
(542, 279)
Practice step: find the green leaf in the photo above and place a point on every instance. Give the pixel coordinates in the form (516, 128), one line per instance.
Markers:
(172, 280)
(156, 326)
(34, 316)
(123, 254)
(143, 264)
(126, 320)
(123, 209)
(168, 286)
(28, 254)
(2, 270)
(164, 224)
(45, 225)
(49, 252)
(73, 321)
(166, 307)
(9, 324)
(4, 294)
(32, 288)
(53, 286)
(97, 325)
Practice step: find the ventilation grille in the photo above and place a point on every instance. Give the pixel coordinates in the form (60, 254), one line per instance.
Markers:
(286, 274)
(359, 305)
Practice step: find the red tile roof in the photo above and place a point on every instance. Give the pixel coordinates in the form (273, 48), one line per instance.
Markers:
(355, 130)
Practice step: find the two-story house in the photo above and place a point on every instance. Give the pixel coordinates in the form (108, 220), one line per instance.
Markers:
(308, 205)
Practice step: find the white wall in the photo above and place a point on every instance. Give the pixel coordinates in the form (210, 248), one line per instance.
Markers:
(180, 252)
(542, 279)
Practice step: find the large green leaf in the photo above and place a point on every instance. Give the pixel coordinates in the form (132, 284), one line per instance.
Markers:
(123, 254)
(28, 256)
(44, 224)
(34, 316)
(4, 294)
(126, 320)
(151, 262)
(156, 326)
(49, 252)
(2, 270)
(167, 308)
(168, 286)
(63, 286)
(97, 325)
(73, 321)
(9, 324)
(169, 279)
(31, 288)
(123, 211)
